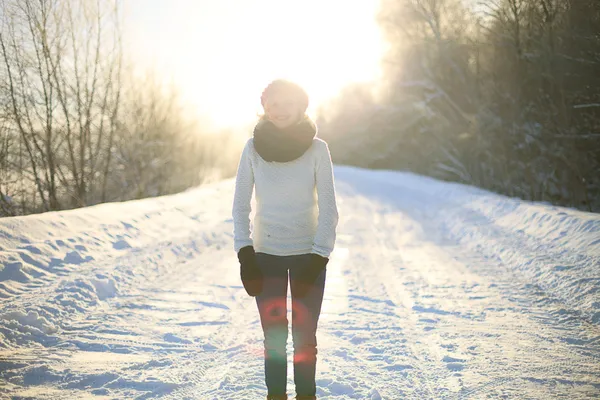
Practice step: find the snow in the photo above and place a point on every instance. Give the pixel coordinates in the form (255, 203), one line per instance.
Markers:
(539, 241)
(435, 291)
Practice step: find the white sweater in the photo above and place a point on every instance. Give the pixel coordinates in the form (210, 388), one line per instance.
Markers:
(296, 211)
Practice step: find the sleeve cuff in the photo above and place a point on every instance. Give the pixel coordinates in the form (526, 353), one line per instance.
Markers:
(240, 244)
(322, 251)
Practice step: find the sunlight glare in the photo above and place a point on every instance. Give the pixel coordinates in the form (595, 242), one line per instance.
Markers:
(221, 54)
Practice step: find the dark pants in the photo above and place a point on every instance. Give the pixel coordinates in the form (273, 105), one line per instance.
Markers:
(272, 306)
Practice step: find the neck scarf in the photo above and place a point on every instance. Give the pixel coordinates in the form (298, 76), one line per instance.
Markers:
(283, 145)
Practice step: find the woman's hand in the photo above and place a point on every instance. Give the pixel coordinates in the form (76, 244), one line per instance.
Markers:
(309, 275)
(252, 278)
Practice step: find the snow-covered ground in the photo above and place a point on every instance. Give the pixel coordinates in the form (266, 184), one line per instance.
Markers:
(435, 291)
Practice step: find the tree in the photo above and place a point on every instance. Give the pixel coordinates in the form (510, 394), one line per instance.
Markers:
(78, 126)
(505, 97)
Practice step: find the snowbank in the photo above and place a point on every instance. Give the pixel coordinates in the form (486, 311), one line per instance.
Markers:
(78, 258)
(555, 248)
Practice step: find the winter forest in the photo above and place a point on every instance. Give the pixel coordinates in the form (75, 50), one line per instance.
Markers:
(502, 94)
(80, 122)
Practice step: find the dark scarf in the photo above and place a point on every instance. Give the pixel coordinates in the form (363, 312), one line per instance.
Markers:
(283, 145)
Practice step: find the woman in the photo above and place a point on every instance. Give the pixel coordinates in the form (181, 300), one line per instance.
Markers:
(293, 232)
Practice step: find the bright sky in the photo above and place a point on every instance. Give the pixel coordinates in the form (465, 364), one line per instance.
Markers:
(222, 53)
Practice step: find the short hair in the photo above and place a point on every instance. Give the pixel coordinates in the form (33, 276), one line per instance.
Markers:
(278, 84)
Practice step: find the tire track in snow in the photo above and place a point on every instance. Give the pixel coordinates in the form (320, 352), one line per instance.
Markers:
(341, 372)
(441, 278)
(46, 365)
(370, 338)
(475, 334)
(169, 276)
(372, 283)
(190, 365)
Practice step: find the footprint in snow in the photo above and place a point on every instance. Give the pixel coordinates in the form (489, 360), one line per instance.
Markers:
(454, 364)
(169, 337)
(121, 245)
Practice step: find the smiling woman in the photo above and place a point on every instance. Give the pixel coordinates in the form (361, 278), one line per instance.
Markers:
(220, 54)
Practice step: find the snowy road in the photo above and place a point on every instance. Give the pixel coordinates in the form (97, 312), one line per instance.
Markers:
(427, 297)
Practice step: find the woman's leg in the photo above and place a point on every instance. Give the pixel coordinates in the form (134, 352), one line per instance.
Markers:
(273, 318)
(305, 317)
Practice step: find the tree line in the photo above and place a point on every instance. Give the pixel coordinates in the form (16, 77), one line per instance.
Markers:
(80, 123)
(501, 94)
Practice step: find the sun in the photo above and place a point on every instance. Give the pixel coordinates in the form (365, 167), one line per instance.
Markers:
(222, 54)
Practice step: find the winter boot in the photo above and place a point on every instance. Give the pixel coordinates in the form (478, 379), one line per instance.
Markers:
(306, 397)
(277, 397)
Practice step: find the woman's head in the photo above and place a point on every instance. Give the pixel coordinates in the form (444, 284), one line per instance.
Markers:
(284, 102)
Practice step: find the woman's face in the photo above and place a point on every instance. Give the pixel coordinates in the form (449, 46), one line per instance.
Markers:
(282, 108)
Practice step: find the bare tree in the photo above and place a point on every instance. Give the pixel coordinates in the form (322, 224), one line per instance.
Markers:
(63, 90)
(76, 126)
(6, 142)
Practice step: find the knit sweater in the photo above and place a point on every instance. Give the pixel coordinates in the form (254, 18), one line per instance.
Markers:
(296, 211)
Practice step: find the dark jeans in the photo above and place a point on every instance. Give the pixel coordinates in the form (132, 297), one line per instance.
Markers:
(272, 306)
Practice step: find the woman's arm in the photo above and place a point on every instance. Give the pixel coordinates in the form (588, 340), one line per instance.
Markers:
(328, 213)
(244, 185)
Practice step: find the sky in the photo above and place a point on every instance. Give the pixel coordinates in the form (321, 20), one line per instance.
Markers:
(222, 53)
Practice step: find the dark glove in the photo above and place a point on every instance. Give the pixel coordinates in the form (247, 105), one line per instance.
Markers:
(309, 275)
(251, 276)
